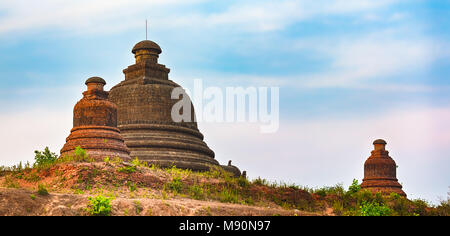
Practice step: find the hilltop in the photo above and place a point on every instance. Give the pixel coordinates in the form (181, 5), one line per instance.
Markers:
(79, 186)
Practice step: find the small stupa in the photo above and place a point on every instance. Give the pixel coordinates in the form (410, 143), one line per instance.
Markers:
(380, 171)
(95, 125)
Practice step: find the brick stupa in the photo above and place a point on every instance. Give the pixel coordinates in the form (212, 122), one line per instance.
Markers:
(95, 125)
(144, 116)
(380, 171)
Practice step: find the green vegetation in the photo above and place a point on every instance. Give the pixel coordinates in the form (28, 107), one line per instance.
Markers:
(44, 158)
(196, 192)
(138, 207)
(42, 190)
(99, 206)
(79, 155)
(355, 187)
(127, 169)
(373, 209)
(132, 187)
(176, 185)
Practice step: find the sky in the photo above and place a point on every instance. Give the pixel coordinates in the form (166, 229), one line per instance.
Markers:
(349, 72)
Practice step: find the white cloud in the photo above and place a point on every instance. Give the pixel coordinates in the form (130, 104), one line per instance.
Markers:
(101, 15)
(359, 61)
(273, 15)
(80, 16)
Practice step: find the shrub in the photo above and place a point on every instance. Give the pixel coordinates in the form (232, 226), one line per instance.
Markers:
(136, 162)
(401, 206)
(262, 182)
(44, 158)
(138, 206)
(321, 192)
(229, 196)
(42, 190)
(355, 187)
(373, 209)
(364, 196)
(81, 155)
(132, 186)
(196, 192)
(127, 169)
(99, 206)
(420, 206)
(176, 185)
(337, 190)
(243, 182)
(443, 209)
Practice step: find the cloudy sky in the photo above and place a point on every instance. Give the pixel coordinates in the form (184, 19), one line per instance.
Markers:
(349, 72)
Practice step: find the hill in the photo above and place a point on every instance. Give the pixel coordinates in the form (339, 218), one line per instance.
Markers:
(78, 186)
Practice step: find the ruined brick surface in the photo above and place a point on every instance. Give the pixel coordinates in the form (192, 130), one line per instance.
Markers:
(380, 171)
(95, 125)
(144, 115)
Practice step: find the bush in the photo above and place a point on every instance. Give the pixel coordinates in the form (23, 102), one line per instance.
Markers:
(443, 209)
(373, 209)
(127, 169)
(176, 185)
(42, 190)
(355, 187)
(243, 182)
(336, 190)
(81, 155)
(420, 207)
(262, 182)
(132, 186)
(44, 158)
(99, 206)
(196, 192)
(229, 196)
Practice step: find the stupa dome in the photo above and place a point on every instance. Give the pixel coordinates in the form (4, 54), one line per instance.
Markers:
(95, 80)
(146, 45)
(379, 141)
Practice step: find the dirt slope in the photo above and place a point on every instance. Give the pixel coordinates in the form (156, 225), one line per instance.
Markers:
(19, 202)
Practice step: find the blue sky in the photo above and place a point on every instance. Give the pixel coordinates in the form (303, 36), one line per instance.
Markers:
(349, 72)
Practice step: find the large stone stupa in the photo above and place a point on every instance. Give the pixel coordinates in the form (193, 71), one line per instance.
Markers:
(144, 116)
(380, 171)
